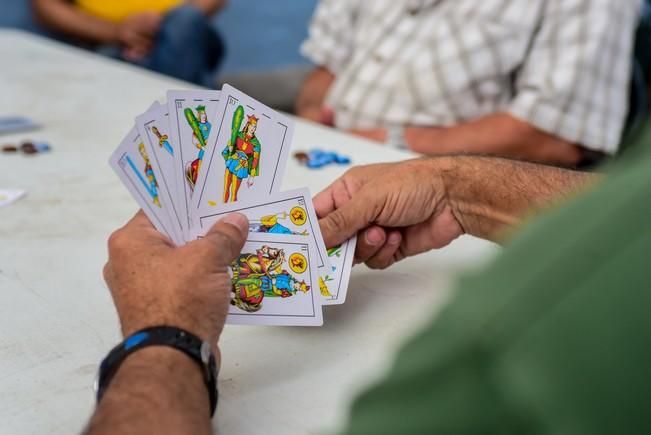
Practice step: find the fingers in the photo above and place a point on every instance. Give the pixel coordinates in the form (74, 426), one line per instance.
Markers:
(387, 254)
(327, 116)
(228, 236)
(369, 243)
(331, 198)
(140, 228)
(135, 54)
(138, 224)
(140, 220)
(324, 202)
(351, 217)
(378, 248)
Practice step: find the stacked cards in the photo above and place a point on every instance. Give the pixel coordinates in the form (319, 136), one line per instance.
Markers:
(209, 153)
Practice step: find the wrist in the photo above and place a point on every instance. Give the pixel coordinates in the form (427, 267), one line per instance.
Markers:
(196, 323)
(449, 179)
(395, 136)
(160, 361)
(163, 361)
(478, 195)
(152, 381)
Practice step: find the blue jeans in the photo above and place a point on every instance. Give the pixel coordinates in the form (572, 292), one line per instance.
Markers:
(187, 47)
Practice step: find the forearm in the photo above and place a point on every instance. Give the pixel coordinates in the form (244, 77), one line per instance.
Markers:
(208, 7)
(489, 196)
(64, 17)
(156, 390)
(313, 93)
(497, 134)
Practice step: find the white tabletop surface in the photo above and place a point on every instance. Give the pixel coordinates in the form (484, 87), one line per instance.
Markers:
(56, 316)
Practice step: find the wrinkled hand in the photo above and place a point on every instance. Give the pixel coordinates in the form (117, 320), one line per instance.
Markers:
(400, 209)
(153, 283)
(137, 34)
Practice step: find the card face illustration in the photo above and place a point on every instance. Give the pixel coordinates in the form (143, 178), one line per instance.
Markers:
(275, 282)
(247, 161)
(154, 127)
(289, 213)
(192, 118)
(132, 164)
(334, 285)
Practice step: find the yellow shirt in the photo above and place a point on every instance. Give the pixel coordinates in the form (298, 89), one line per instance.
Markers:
(118, 10)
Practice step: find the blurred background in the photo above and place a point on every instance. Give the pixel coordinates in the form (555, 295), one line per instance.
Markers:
(263, 51)
(262, 40)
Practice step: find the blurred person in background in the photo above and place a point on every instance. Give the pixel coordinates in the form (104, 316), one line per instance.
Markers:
(172, 37)
(541, 80)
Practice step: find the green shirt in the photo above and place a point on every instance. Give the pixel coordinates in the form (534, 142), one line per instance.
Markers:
(553, 338)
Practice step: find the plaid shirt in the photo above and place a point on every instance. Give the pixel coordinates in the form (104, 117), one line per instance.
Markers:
(564, 66)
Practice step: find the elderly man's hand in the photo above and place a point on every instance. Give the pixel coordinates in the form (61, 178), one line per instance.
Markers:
(153, 283)
(400, 208)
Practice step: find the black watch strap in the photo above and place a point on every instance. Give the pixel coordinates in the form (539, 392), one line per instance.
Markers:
(176, 338)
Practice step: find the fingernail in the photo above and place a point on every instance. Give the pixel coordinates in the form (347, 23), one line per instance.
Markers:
(374, 236)
(238, 220)
(394, 239)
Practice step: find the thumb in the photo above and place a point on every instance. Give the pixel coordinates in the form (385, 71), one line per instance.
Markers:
(346, 221)
(228, 236)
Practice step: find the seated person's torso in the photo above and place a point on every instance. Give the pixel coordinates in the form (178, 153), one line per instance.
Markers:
(448, 62)
(445, 62)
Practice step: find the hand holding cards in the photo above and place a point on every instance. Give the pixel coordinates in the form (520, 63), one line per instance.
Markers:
(209, 153)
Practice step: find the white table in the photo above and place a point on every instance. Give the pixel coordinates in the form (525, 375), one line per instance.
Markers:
(56, 317)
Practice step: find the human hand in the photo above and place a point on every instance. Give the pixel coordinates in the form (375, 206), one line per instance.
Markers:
(401, 210)
(375, 134)
(319, 114)
(137, 34)
(153, 283)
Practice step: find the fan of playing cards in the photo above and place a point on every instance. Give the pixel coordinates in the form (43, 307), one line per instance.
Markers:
(209, 153)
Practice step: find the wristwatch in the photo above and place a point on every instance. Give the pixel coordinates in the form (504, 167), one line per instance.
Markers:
(396, 136)
(170, 336)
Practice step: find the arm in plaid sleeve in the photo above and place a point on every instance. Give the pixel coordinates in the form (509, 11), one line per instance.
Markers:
(574, 83)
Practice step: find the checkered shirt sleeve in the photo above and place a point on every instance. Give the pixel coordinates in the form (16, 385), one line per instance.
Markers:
(575, 80)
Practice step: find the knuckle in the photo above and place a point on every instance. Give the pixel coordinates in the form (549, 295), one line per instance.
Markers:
(351, 172)
(219, 243)
(338, 221)
(116, 240)
(106, 272)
